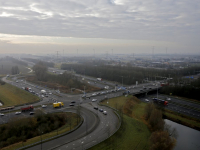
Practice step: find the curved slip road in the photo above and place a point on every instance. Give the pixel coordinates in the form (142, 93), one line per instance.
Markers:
(107, 126)
(89, 124)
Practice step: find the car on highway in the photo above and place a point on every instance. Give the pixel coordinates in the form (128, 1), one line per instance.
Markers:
(16, 81)
(101, 110)
(105, 112)
(23, 88)
(50, 93)
(168, 98)
(32, 113)
(1, 114)
(33, 92)
(42, 96)
(71, 104)
(94, 94)
(83, 96)
(146, 100)
(94, 100)
(17, 113)
(44, 106)
(95, 107)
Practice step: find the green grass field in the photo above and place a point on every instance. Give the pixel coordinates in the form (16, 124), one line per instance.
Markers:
(133, 134)
(118, 102)
(7, 65)
(11, 95)
(186, 120)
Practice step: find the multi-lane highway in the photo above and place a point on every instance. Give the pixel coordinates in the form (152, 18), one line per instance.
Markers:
(179, 105)
(96, 126)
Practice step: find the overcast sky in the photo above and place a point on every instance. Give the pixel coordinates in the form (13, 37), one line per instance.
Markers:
(126, 26)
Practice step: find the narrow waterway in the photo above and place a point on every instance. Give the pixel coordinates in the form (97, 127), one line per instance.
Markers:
(188, 138)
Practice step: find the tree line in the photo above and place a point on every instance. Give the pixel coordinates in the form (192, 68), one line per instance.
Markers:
(191, 90)
(15, 70)
(65, 79)
(14, 60)
(26, 128)
(163, 136)
(128, 74)
(48, 64)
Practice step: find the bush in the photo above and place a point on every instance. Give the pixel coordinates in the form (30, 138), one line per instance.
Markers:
(2, 82)
(148, 109)
(26, 128)
(160, 140)
(155, 121)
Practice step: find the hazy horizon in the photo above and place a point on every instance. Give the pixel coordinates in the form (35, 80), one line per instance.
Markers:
(121, 26)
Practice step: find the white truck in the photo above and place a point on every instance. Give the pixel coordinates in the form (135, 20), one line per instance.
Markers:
(43, 91)
(99, 79)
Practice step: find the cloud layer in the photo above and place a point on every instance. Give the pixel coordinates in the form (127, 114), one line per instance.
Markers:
(165, 20)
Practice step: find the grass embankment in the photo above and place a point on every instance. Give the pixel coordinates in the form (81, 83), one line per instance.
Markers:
(182, 119)
(11, 95)
(63, 129)
(133, 133)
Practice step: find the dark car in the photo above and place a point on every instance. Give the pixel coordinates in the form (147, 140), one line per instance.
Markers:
(96, 107)
(101, 110)
(71, 104)
(32, 113)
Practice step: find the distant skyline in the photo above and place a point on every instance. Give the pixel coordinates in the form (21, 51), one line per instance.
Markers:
(100, 26)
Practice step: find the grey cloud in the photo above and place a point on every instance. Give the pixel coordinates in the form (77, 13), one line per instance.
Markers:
(167, 20)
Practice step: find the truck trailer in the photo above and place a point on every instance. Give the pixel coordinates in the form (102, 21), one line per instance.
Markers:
(59, 104)
(28, 108)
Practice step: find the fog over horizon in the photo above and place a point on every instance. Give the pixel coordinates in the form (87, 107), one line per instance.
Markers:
(100, 26)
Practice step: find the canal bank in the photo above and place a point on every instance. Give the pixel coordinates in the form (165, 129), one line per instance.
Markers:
(188, 138)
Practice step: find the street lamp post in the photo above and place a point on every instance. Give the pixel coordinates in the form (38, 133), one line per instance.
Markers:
(122, 81)
(157, 91)
(82, 145)
(40, 137)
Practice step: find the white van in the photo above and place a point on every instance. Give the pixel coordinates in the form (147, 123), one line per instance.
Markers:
(104, 112)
